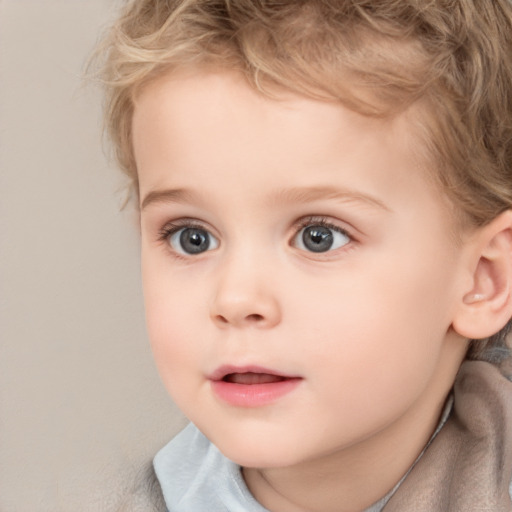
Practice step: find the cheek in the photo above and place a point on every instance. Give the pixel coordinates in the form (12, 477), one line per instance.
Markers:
(170, 298)
(364, 369)
(172, 313)
(385, 330)
(171, 324)
(176, 351)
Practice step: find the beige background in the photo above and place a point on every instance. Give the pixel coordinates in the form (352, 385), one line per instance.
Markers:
(81, 405)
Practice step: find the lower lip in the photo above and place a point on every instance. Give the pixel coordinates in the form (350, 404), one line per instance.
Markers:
(253, 395)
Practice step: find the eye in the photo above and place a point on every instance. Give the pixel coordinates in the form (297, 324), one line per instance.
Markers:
(192, 240)
(321, 238)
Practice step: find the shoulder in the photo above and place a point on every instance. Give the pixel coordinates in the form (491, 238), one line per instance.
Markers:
(145, 495)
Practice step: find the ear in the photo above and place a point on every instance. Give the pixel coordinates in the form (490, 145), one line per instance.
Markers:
(486, 306)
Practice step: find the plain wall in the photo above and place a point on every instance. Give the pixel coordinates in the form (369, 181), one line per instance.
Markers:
(81, 405)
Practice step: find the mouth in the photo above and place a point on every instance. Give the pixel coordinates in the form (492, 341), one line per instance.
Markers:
(251, 386)
(252, 378)
(249, 375)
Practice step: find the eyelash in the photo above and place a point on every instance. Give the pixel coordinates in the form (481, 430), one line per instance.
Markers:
(323, 222)
(171, 228)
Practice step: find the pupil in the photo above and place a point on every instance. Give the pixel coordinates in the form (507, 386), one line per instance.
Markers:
(194, 241)
(317, 238)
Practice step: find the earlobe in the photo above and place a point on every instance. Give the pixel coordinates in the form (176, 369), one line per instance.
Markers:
(487, 306)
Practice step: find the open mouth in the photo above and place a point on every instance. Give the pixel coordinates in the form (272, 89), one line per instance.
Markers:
(251, 386)
(252, 378)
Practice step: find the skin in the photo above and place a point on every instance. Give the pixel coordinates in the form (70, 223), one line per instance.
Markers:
(367, 326)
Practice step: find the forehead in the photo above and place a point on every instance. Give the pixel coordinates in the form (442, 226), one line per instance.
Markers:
(189, 104)
(192, 129)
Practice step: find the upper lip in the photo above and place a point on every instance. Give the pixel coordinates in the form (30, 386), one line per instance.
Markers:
(224, 370)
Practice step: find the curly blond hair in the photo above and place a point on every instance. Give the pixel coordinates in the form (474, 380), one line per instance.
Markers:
(377, 57)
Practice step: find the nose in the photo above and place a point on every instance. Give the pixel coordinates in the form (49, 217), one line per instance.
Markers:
(245, 297)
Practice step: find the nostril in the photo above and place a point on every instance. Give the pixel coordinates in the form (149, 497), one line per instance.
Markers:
(255, 317)
(249, 319)
(222, 319)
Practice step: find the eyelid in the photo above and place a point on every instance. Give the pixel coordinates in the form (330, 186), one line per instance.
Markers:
(184, 222)
(173, 227)
(318, 220)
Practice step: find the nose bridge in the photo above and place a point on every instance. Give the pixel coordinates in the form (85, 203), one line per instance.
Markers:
(245, 293)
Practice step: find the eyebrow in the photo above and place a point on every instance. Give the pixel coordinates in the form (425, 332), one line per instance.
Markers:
(310, 194)
(289, 195)
(175, 195)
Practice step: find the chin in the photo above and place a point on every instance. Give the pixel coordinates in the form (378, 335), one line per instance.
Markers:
(256, 451)
(258, 458)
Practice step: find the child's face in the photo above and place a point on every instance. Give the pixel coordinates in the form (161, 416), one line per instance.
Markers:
(298, 239)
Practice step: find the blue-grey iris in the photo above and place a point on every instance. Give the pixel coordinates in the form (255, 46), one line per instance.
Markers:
(194, 240)
(317, 238)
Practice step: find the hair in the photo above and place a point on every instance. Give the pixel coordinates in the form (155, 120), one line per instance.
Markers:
(452, 58)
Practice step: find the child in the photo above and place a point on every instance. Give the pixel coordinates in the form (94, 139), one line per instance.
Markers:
(325, 193)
